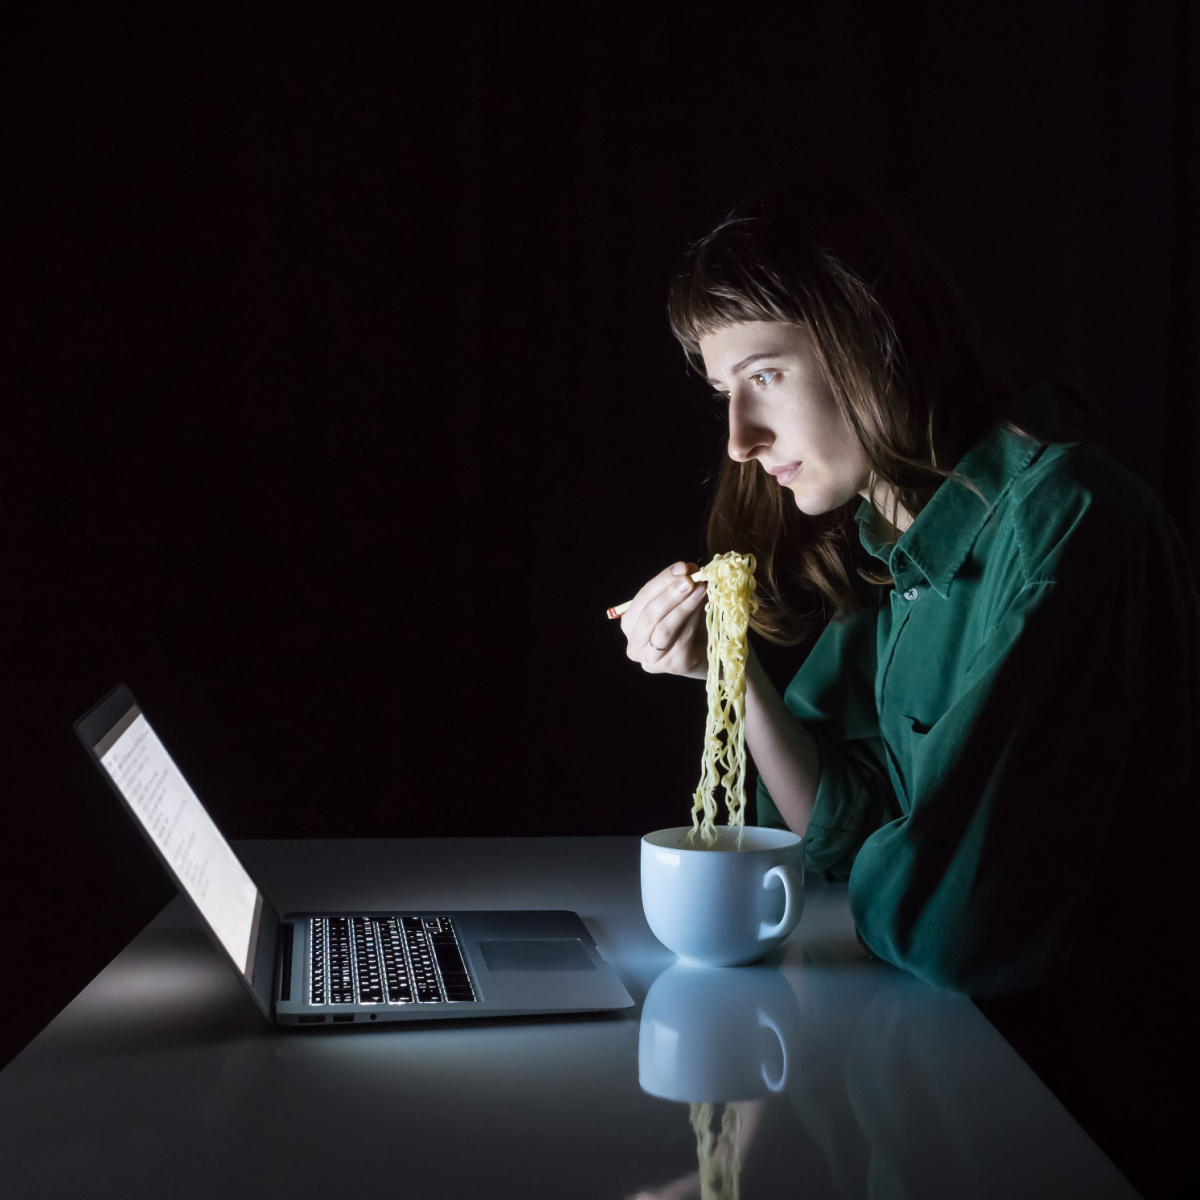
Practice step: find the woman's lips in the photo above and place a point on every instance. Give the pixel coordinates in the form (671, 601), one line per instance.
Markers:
(786, 473)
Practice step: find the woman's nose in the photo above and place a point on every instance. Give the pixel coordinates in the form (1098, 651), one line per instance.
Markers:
(747, 437)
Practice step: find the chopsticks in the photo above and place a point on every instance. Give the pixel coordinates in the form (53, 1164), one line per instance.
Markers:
(620, 610)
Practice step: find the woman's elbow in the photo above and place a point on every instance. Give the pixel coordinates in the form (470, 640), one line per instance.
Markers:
(961, 965)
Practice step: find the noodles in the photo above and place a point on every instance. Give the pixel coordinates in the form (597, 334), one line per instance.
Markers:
(727, 609)
(719, 1153)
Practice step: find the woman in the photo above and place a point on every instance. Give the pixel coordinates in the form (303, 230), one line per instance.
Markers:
(1002, 710)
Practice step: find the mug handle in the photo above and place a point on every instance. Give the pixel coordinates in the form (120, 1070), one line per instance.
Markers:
(792, 903)
(776, 1085)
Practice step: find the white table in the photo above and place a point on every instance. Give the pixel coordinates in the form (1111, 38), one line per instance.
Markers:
(161, 1080)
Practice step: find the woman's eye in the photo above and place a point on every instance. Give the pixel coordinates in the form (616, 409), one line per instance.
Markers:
(763, 378)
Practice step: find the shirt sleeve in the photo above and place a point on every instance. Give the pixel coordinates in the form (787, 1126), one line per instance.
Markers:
(833, 694)
(1076, 722)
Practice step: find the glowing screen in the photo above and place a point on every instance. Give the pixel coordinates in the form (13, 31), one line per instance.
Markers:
(173, 816)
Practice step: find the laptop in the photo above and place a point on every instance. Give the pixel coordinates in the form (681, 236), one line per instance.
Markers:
(322, 968)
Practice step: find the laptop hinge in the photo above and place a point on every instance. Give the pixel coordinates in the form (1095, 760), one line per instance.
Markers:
(287, 936)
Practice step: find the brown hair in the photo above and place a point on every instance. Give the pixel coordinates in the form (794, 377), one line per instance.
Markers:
(900, 358)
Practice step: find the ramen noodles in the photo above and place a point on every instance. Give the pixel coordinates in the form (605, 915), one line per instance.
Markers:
(727, 611)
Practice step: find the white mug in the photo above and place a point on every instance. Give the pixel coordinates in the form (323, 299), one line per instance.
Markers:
(720, 907)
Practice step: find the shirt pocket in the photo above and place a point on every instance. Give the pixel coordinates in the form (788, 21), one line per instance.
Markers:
(914, 755)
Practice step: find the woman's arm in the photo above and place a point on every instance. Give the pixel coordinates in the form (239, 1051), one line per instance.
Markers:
(783, 750)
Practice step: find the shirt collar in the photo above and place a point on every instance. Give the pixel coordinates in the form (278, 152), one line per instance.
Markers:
(937, 543)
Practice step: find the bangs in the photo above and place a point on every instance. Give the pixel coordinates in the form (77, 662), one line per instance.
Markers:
(720, 285)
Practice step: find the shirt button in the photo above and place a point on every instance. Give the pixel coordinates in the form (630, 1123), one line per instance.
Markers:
(911, 594)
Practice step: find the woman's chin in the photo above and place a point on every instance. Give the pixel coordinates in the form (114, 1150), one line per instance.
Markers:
(815, 501)
(813, 504)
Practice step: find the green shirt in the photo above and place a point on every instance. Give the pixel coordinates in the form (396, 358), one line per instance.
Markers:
(1009, 723)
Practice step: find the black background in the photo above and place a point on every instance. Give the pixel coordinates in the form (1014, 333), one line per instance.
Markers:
(341, 401)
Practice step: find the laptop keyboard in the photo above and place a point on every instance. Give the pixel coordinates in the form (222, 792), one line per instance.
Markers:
(387, 960)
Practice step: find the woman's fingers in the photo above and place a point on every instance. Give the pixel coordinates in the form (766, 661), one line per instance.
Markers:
(679, 620)
(656, 611)
(654, 588)
(654, 601)
(662, 623)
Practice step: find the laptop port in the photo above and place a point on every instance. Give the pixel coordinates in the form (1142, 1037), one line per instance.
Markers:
(343, 1017)
(311, 1020)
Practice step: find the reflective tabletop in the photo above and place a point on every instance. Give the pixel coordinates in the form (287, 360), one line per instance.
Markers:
(816, 1073)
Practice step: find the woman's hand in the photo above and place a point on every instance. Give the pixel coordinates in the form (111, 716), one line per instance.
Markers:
(664, 625)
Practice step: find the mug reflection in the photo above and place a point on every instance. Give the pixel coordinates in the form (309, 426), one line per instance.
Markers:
(720, 1040)
(712, 1035)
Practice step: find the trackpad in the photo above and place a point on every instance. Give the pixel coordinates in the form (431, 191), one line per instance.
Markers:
(540, 954)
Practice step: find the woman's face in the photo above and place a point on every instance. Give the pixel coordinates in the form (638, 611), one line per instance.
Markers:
(782, 413)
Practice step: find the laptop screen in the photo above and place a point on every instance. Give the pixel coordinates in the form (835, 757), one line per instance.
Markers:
(202, 860)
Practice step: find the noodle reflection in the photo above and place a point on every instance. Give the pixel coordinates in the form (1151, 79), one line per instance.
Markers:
(719, 1153)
